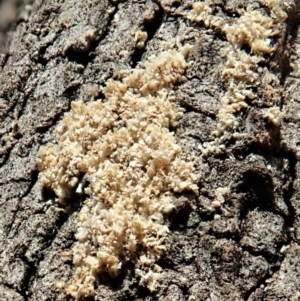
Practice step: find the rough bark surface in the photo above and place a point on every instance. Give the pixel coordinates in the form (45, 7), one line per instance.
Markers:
(12, 12)
(247, 249)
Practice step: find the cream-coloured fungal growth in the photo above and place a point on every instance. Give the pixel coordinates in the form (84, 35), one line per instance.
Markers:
(274, 115)
(133, 165)
(140, 38)
(202, 12)
(254, 30)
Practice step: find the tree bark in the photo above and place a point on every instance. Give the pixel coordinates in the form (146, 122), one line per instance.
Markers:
(245, 249)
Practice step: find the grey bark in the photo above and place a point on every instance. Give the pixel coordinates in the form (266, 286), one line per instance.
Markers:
(251, 253)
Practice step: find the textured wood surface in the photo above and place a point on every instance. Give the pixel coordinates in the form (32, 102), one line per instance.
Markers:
(246, 249)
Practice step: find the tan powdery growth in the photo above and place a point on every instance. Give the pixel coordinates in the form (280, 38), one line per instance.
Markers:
(133, 165)
(203, 12)
(252, 29)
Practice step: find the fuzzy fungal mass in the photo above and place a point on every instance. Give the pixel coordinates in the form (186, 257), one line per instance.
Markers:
(252, 29)
(132, 165)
